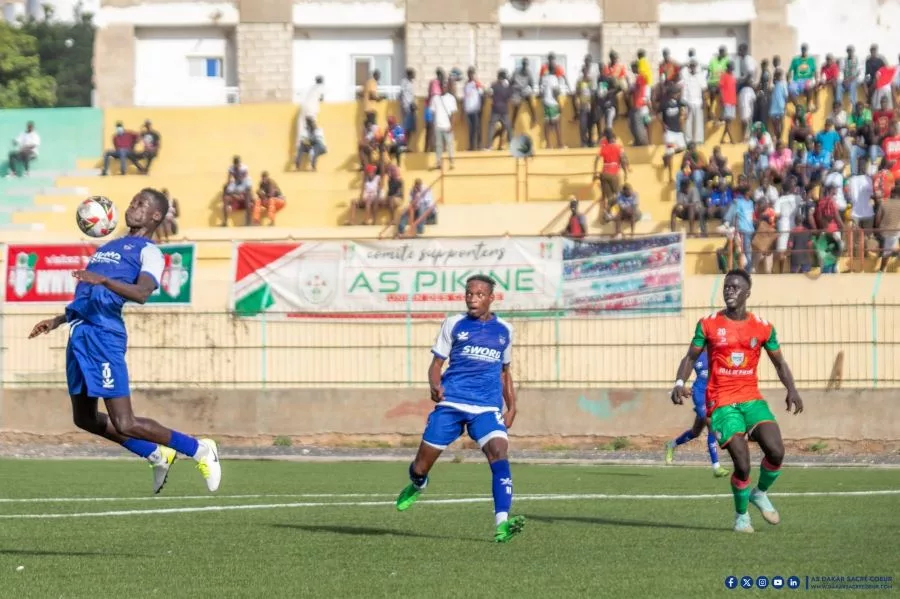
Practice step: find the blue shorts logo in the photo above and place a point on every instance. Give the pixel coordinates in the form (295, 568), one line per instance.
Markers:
(762, 582)
(731, 582)
(746, 582)
(777, 582)
(793, 582)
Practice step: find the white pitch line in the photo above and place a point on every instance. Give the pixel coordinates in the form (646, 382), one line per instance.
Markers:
(272, 506)
(187, 497)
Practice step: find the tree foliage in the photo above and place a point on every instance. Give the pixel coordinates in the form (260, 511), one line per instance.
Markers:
(22, 84)
(66, 53)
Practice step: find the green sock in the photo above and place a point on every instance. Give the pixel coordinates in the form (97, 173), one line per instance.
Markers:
(741, 496)
(768, 474)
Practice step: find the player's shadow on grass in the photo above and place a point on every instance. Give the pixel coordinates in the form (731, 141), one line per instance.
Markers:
(368, 531)
(619, 522)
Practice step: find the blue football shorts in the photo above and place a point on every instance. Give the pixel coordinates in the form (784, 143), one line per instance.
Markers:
(446, 424)
(95, 362)
(699, 398)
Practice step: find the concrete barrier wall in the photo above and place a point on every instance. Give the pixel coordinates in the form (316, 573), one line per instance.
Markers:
(546, 416)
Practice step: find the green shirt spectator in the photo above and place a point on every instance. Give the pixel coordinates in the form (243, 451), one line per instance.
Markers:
(717, 66)
(803, 68)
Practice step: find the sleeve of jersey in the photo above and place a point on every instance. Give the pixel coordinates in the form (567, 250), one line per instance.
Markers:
(771, 343)
(152, 262)
(507, 353)
(699, 339)
(444, 341)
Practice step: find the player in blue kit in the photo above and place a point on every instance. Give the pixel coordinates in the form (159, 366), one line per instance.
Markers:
(125, 269)
(698, 393)
(470, 397)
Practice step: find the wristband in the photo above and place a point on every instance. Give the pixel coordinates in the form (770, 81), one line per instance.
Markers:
(679, 383)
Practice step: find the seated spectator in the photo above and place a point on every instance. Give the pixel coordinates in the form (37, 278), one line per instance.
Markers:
(628, 209)
(800, 246)
(422, 210)
(25, 150)
(689, 207)
(818, 163)
(394, 194)
(123, 149)
(801, 127)
(830, 75)
(169, 225)
(802, 77)
(838, 116)
(238, 191)
(884, 79)
(395, 140)
(720, 199)
(760, 147)
(828, 138)
(311, 143)
(576, 225)
(268, 198)
(890, 147)
(781, 159)
(372, 142)
(150, 145)
(834, 180)
(826, 216)
(850, 76)
(718, 166)
(888, 223)
(767, 192)
(371, 196)
(883, 180)
(882, 126)
(799, 169)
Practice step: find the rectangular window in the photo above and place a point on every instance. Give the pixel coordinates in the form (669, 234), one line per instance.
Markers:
(364, 66)
(204, 67)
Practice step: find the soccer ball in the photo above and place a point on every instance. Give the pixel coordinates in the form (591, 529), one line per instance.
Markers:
(96, 216)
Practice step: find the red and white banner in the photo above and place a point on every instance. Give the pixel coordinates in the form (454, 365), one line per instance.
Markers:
(43, 273)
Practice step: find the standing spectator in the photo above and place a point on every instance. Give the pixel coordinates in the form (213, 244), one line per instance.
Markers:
(408, 106)
(520, 93)
(781, 159)
(672, 117)
(576, 226)
(786, 211)
(668, 75)
(728, 98)
(312, 103)
(614, 159)
(473, 93)
(123, 148)
(25, 149)
(888, 223)
(778, 104)
(800, 246)
(873, 63)
(717, 66)
(435, 88)
(747, 103)
(689, 207)
(859, 191)
(692, 87)
(802, 78)
(850, 75)
(638, 113)
(740, 216)
(884, 81)
(443, 107)
(763, 94)
(150, 145)
(501, 94)
(584, 95)
(550, 91)
(551, 67)
(371, 97)
(606, 102)
(882, 125)
(745, 70)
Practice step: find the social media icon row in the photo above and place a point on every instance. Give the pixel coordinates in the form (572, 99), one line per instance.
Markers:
(762, 582)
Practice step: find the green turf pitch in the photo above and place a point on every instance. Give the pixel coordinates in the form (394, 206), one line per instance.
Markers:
(357, 545)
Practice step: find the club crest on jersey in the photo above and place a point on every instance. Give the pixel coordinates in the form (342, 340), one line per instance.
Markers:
(737, 358)
(753, 343)
(502, 339)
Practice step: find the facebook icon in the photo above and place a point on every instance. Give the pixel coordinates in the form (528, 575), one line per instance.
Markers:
(777, 582)
(793, 582)
(731, 582)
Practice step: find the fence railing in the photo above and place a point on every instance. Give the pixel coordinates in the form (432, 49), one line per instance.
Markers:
(855, 345)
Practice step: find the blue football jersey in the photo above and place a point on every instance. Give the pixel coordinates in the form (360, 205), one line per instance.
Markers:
(122, 259)
(477, 351)
(701, 369)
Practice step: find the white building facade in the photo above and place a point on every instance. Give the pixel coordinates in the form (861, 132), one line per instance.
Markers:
(165, 53)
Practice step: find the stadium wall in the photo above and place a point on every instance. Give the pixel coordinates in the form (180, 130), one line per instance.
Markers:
(863, 420)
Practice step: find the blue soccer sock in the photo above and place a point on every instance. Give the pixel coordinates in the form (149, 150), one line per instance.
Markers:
(684, 437)
(139, 447)
(184, 444)
(713, 448)
(502, 489)
(420, 481)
